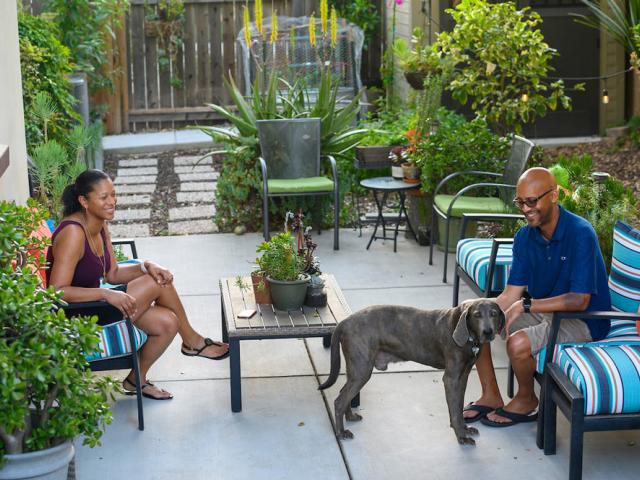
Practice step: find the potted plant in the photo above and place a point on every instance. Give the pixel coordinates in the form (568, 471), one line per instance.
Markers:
(48, 395)
(261, 289)
(410, 170)
(282, 266)
(417, 61)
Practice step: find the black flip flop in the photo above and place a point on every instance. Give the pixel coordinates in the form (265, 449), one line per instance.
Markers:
(514, 417)
(144, 394)
(207, 342)
(482, 410)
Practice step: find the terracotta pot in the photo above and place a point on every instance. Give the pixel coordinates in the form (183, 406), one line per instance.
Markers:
(262, 293)
(410, 172)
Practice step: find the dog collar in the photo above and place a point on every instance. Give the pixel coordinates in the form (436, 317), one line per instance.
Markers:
(475, 345)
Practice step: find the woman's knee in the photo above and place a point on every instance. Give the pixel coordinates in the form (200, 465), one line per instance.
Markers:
(167, 322)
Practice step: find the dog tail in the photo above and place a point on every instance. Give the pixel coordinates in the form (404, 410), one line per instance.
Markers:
(335, 358)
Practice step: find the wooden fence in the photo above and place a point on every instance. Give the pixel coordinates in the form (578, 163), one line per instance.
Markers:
(153, 93)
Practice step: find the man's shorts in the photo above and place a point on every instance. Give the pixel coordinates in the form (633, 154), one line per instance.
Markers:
(538, 325)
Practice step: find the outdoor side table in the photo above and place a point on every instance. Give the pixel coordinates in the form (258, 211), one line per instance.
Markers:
(269, 323)
(386, 186)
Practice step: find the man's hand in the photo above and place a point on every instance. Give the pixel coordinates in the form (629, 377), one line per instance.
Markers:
(514, 311)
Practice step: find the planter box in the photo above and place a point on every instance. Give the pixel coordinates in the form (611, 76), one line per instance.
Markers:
(454, 232)
(372, 157)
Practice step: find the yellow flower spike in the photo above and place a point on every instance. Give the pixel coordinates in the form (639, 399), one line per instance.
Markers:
(312, 30)
(324, 10)
(246, 22)
(257, 11)
(274, 26)
(334, 27)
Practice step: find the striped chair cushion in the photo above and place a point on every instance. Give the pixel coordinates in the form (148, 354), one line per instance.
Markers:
(115, 342)
(608, 376)
(473, 256)
(624, 279)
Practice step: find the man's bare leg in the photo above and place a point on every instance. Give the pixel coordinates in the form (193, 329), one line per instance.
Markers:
(491, 396)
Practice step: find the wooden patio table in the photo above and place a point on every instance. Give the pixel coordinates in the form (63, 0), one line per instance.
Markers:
(269, 323)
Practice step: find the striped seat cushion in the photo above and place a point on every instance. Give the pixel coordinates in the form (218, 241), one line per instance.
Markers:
(624, 279)
(115, 341)
(608, 376)
(473, 256)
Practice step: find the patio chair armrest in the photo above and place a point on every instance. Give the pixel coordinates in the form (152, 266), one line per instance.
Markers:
(467, 217)
(565, 385)
(127, 241)
(105, 312)
(334, 168)
(473, 187)
(465, 172)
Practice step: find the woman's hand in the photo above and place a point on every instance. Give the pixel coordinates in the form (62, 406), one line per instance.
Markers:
(122, 301)
(160, 274)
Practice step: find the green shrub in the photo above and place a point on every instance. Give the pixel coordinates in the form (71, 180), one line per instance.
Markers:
(45, 64)
(458, 145)
(279, 259)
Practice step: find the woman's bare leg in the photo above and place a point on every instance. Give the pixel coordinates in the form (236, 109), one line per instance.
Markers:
(146, 291)
(161, 326)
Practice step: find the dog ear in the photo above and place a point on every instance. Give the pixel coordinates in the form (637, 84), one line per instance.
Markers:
(501, 320)
(461, 332)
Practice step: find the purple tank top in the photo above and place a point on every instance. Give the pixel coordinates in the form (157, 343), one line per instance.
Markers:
(89, 268)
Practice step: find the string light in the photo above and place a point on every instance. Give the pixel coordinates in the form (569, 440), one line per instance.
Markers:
(605, 96)
(524, 98)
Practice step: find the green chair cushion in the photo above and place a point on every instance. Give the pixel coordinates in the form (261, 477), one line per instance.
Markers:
(471, 205)
(300, 185)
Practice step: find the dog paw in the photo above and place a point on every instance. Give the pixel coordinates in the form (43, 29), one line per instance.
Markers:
(354, 417)
(466, 441)
(471, 430)
(346, 434)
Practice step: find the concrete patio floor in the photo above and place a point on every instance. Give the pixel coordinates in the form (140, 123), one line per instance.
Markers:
(285, 429)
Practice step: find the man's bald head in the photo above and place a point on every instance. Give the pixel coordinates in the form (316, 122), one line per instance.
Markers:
(538, 176)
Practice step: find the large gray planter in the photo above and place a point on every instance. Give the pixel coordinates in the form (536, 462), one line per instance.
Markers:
(289, 295)
(49, 464)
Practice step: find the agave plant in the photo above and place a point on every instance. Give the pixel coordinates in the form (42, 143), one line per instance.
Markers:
(620, 24)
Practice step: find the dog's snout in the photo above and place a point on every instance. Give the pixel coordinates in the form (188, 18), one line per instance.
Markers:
(487, 331)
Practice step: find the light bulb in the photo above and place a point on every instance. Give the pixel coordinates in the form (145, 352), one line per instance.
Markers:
(524, 97)
(605, 96)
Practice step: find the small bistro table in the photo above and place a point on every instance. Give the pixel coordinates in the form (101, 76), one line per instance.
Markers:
(269, 323)
(388, 185)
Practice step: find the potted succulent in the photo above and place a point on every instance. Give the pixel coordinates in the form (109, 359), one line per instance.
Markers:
(48, 395)
(261, 289)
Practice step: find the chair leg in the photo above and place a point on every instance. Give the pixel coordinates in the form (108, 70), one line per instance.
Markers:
(336, 220)
(265, 218)
(431, 239)
(541, 417)
(136, 376)
(456, 286)
(550, 418)
(510, 381)
(446, 251)
(577, 439)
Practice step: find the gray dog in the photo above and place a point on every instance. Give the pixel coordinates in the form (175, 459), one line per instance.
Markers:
(381, 334)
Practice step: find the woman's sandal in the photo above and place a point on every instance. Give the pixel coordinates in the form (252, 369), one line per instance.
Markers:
(144, 394)
(194, 352)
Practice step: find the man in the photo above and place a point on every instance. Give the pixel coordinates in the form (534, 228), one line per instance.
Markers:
(557, 260)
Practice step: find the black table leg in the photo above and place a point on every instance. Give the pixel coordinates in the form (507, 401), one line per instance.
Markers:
(225, 330)
(378, 219)
(403, 208)
(234, 375)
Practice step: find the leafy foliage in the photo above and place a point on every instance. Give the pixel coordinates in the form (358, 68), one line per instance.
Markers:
(46, 391)
(85, 27)
(45, 64)
(279, 259)
(458, 145)
(361, 12)
(602, 205)
(499, 55)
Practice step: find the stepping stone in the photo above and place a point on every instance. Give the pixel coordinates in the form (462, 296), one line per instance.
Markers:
(135, 179)
(138, 162)
(127, 230)
(198, 177)
(192, 226)
(194, 169)
(202, 197)
(134, 199)
(137, 171)
(196, 211)
(133, 214)
(142, 188)
(192, 161)
(198, 186)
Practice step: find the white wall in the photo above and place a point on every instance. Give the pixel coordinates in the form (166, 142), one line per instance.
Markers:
(14, 184)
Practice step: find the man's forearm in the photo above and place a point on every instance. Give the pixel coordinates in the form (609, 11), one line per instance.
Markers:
(567, 302)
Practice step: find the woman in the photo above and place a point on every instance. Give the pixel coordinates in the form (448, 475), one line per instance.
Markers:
(81, 255)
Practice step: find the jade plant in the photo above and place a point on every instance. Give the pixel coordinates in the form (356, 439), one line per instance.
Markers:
(280, 259)
(47, 393)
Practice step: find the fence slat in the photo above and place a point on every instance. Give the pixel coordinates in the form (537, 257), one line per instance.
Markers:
(203, 65)
(216, 83)
(190, 80)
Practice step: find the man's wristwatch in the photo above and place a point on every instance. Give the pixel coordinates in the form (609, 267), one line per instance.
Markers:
(526, 304)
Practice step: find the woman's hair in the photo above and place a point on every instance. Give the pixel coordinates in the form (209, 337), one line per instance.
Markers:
(81, 187)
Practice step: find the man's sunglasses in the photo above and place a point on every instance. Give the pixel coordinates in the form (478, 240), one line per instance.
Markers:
(529, 201)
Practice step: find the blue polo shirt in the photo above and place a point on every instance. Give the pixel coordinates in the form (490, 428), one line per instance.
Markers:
(570, 262)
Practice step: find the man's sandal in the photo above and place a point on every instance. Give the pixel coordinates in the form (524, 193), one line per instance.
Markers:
(144, 394)
(482, 410)
(194, 352)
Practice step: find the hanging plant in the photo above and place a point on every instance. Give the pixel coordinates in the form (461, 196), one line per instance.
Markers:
(166, 23)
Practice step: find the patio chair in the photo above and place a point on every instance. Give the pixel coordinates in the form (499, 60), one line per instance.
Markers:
(290, 162)
(595, 385)
(450, 207)
(119, 339)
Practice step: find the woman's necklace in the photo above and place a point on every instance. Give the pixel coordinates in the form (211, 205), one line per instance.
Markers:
(101, 259)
